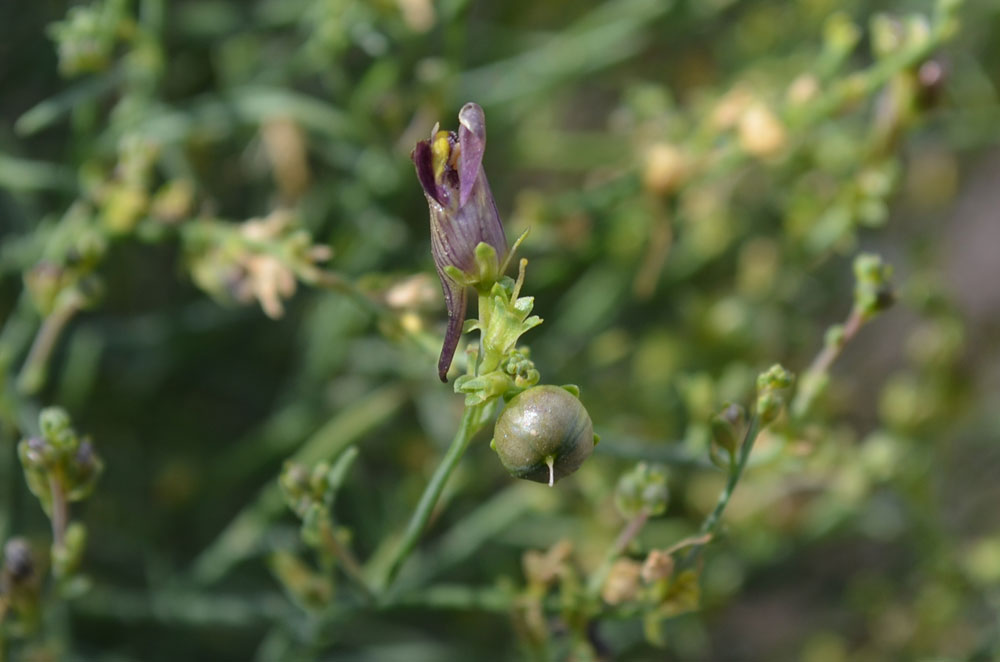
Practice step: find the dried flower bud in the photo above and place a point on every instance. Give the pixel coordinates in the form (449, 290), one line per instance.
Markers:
(463, 215)
(622, 582)
(803, 89)
(761, 133)
(658, 565)
(543, 568)
(665, 168)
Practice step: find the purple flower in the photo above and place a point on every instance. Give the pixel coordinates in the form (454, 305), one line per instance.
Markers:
(463, 215)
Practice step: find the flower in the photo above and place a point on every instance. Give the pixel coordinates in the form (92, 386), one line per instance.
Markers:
(463, 216)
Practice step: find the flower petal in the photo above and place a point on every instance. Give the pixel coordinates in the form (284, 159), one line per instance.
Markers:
(456, 299)
(421, 156)
(472, 138)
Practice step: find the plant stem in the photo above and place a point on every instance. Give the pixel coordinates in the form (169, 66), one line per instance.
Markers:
(811, 383)
(60, 513)
(469, 425)
(631, 529)
(347, 561)
(735, 473)
(32, 376)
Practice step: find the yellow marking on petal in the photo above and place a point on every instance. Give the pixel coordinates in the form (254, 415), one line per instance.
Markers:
(440, 153)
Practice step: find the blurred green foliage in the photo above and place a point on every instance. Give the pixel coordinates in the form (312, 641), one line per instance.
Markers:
(215, 258)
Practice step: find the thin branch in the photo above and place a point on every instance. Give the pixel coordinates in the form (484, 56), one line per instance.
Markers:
(428, 500)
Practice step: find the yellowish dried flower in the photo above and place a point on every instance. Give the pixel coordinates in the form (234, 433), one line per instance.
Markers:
(760, 132)
(658, 565)
(622, 582)
(665, 168)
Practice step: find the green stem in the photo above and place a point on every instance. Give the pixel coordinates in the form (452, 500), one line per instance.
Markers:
(485, 363)
(736, 469)
(471, 422)
(347, 561)
(33, 372)
(812, 381)
(60, 512)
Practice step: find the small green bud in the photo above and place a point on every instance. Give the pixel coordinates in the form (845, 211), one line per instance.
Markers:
(768, 407)
(727, 427)
(775, 378)
(55, 424)
(872, 290)
(644, 488)
(887, 35)
(770, 397)
(840, 34)
(82, 470)
(66, 558)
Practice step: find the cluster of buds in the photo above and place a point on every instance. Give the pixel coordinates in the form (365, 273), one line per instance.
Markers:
(655, 587)
(872, 289)
(642, 490)
(64, 276)
(61, 467)
(502, 369)
(310, 493)
(59, 464)
(771, 388)
(259, 259)
(521, 368)
(86, 37)
(304, 489)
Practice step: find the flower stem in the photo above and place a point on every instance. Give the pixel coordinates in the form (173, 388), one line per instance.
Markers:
(60, 514)
(470, 424)
(813, 380)
(736, 469)
(33, 373)
(347, 561)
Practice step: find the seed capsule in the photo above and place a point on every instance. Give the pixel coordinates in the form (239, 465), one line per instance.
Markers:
(543, 434)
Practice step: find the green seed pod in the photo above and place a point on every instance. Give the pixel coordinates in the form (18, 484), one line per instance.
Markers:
(543, 434)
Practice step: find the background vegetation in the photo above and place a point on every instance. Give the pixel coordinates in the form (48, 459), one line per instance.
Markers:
(215, 257)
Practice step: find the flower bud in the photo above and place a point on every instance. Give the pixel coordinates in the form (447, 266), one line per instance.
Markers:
(770, 396)
(463, 216)
(644, 489)
(727, 427)
(622, 583)
(18, 561)
(761, 133)
(872, 289)
(657, 566)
